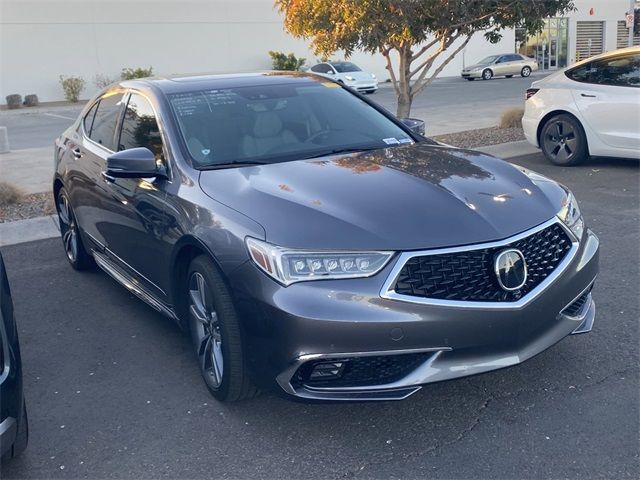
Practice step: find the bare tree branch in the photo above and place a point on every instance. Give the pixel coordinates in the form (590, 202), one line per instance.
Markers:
(389, 67)
(424, 49)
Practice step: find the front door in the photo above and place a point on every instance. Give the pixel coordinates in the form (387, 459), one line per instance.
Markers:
(134, 237)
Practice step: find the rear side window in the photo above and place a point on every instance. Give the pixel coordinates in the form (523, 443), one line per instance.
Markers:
(106, 117)
(621, 71)
(321, 68)
(88, 118)
(140, 127)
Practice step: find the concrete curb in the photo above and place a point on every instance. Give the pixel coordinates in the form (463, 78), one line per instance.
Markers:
(29, 230)
(509, 149)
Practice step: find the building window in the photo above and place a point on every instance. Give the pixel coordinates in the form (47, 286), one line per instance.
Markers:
(549, 46)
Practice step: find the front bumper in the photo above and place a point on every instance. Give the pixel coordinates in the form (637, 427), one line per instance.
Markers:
(363, 86)
(336, 321)
(471, 74)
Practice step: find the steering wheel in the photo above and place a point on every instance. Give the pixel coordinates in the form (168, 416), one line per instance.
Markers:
(316, 135)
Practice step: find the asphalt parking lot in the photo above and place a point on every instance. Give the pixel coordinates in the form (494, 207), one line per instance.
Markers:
(113, 390)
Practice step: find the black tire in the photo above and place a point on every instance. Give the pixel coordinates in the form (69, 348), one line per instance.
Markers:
(508, 76)
(525, 72)
(228, 380)
(470, 79)
(22, 435)
(70, 233)
(487, 74)
(563, 141)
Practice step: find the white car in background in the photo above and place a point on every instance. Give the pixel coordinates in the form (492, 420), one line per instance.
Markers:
(589, 109)
(348, 74)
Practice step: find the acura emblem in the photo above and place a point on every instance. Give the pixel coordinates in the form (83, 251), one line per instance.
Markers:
(511, 269)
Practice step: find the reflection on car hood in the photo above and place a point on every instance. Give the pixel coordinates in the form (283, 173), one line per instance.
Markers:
(359, 76)
(476, 65)
(403, 198)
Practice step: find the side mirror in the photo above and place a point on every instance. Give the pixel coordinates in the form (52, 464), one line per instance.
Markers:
(415, 125)
(137, 162)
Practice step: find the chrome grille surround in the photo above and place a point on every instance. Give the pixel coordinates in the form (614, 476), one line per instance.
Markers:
(388, 289)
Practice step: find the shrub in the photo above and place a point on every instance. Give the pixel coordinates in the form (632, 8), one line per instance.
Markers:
(14, 101)
(131, 73)
(511, 118)
(102, 81)
(72, 87)
(282, 61)
(9, 194)
(31, 100)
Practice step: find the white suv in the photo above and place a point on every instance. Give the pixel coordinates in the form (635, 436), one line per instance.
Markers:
(590, 108)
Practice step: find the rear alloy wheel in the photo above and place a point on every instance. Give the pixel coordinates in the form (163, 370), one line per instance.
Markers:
(215, 333)
(563, 141)
(70, 232)
(487, 74)
(525, 72)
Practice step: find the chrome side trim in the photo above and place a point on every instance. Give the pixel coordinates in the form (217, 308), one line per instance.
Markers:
(389, 293)
(131, 284)
(284, 378)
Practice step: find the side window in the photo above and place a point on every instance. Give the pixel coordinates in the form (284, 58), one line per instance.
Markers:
(140, 127)
(515, 58)
(317, 68)
(621, 71)
(88, 118)
(104, 122)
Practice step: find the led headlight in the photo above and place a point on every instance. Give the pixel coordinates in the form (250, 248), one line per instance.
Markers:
(373, 75)
(571, 216)
(288, 266)
(349, 77)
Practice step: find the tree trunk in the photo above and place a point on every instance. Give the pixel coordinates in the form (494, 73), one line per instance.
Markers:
(404, 105)
(405, 96)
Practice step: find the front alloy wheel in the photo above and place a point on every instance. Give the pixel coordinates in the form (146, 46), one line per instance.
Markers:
(563, 141)
(487, 74)
(525, 72)
(70, 232)
(215, 332)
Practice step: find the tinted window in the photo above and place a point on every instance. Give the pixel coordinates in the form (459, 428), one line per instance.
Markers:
(514, 58)
(321, 68)
(88, 118)
(139, 126)
(104, 122)
(487, 60)
(344, 67)
(622, 71)
(278, 122)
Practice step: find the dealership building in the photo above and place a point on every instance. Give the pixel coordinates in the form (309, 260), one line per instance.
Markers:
(42, 40)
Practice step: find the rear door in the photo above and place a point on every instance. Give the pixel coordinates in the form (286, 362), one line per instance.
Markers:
(90, 198)
(608, 96)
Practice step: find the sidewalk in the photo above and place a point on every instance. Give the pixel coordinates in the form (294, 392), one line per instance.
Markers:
(30, 169)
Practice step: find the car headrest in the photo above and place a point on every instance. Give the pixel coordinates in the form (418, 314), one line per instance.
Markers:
(267, 124)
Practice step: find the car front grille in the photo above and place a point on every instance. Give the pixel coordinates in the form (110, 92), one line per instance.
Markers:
(362, 371)
(469, 275)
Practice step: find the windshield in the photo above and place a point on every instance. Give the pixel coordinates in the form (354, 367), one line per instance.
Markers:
(490, 59)
(275, 123)
(344, 67)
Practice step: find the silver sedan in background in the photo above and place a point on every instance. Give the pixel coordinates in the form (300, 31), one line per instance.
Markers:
(507, 65)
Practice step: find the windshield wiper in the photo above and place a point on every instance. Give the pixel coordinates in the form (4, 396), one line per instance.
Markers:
(239, 163)
(337, 151)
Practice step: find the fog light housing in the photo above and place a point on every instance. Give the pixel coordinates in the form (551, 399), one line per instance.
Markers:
(327, 370)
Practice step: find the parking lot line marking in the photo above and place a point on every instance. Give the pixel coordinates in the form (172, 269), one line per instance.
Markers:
(58, 116)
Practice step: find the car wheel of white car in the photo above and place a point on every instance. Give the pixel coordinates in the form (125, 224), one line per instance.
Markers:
(487, 74)
(525, 72)
(563, 141)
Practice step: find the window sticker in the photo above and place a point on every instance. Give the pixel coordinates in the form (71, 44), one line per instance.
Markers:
(391, 141)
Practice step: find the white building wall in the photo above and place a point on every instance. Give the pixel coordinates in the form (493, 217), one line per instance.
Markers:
(43, 39)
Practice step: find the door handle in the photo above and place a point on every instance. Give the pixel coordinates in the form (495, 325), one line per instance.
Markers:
(77, 153)
(107, 177)
(587, 95)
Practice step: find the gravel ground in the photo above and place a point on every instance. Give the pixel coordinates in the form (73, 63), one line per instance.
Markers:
(481, 137)
(30, 206)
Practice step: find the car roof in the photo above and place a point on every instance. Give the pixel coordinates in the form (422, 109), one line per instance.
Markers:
(192, 82)
(611, 53)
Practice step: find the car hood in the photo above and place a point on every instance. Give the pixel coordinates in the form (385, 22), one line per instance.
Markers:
(359, 76)
(403, 198)
(477, 65)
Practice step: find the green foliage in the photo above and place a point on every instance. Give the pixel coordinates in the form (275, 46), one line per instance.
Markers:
(282, 61)
(72, 87)
(418, 31)
(131, 73)
(102, 81)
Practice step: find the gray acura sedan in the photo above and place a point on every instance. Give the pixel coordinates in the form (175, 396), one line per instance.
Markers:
(310, 242)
